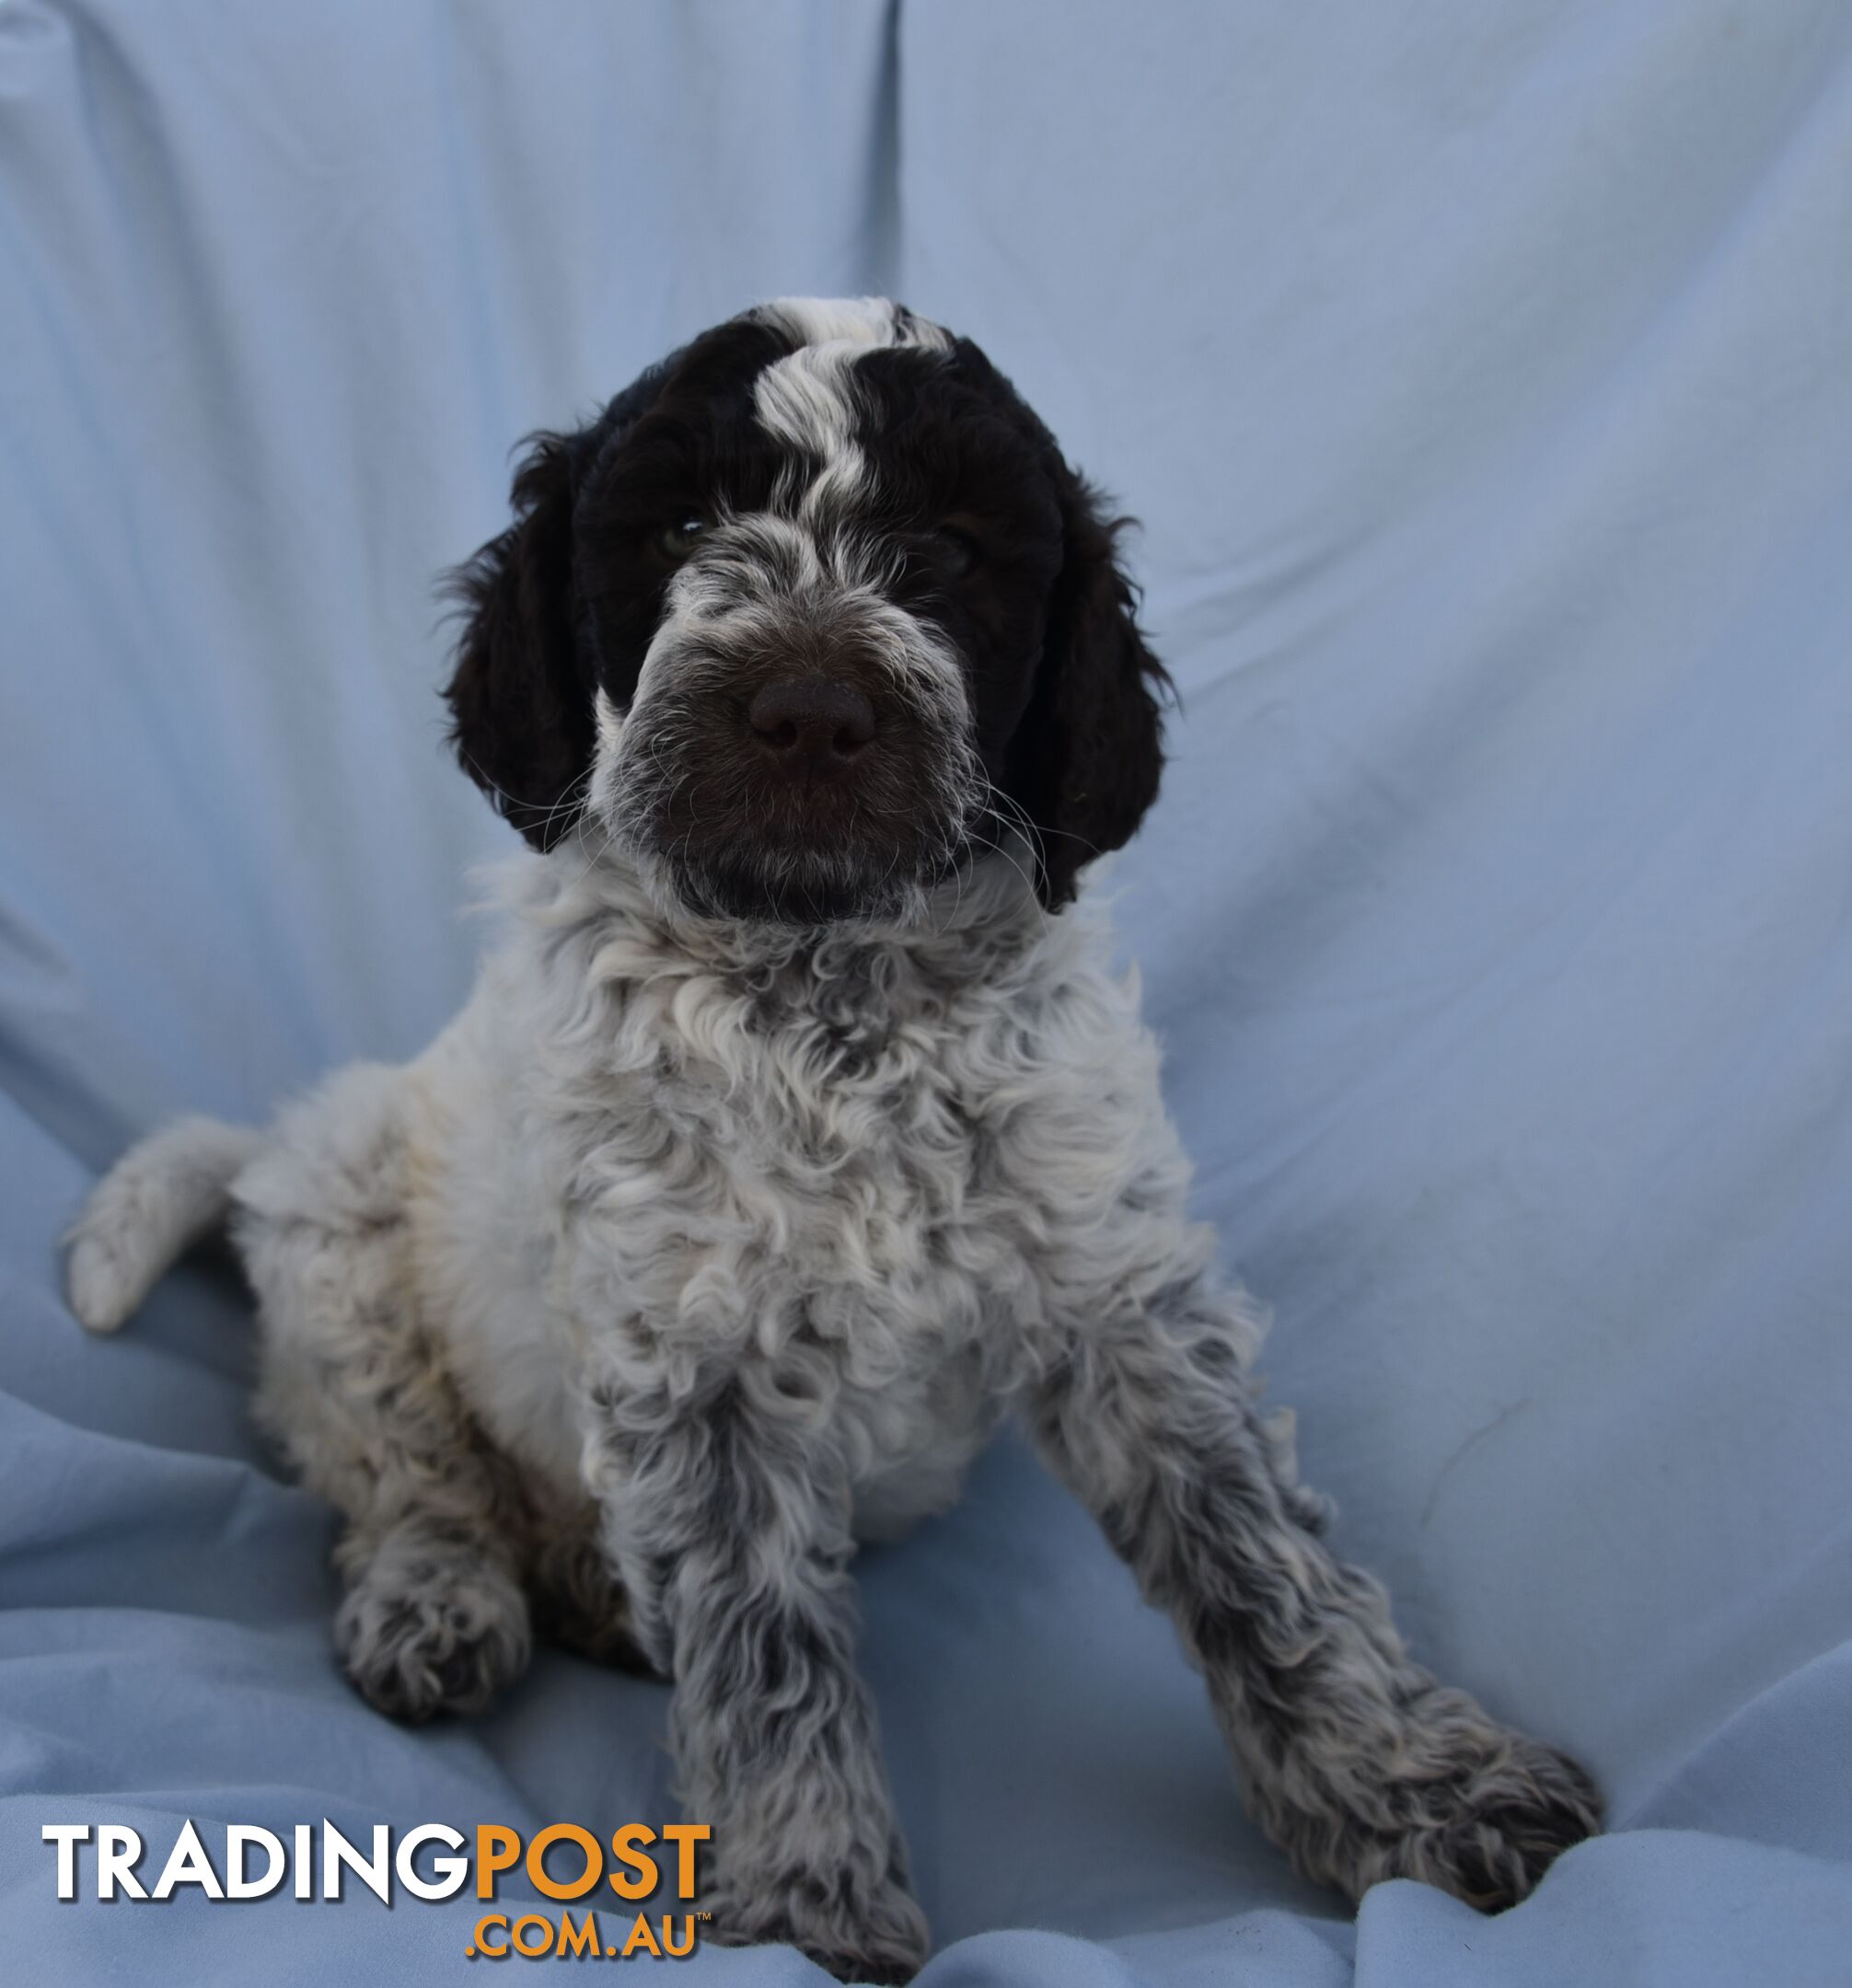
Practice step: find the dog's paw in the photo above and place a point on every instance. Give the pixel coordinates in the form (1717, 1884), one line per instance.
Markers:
(855, 1931)
(421, 1634)
(1487, 1830)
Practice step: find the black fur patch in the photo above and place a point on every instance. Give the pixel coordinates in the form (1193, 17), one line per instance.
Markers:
(994, 541)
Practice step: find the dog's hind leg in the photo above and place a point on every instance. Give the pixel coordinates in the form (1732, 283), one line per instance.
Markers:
(353, 1385)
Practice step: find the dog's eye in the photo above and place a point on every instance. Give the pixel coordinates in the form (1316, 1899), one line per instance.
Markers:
(957, 551)
(678, 539)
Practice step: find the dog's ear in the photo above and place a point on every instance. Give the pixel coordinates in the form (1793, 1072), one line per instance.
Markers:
(521, 694)
(1085, 759)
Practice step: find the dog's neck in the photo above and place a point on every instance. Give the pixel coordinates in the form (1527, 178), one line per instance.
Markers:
(984, 921)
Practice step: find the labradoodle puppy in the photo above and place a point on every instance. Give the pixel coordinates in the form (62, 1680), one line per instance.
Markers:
(798, 1130)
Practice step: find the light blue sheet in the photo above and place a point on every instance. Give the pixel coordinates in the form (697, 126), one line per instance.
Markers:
(1484, 378)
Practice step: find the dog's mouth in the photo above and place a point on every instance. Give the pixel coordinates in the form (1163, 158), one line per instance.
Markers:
(817, 890)
(720, 845)
(793, 859)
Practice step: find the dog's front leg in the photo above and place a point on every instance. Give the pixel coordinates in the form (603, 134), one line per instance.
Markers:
(1358, 1763)
(728, 1522)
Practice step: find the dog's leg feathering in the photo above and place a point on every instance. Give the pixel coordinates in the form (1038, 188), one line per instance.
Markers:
(1356, 1761)
(729, 1524)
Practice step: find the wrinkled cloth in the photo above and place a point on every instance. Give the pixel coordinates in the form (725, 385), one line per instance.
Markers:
(1479, 377)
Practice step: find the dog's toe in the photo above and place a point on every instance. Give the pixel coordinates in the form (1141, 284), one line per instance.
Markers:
(1490, 1836)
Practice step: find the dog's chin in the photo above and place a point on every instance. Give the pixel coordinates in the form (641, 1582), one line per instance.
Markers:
(784, 888)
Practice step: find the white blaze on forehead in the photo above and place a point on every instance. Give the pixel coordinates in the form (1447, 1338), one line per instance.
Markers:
(852, 321)
(807, 402)
(807, 398)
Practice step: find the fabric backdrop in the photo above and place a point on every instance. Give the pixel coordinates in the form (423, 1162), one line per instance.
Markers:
(1481, 376)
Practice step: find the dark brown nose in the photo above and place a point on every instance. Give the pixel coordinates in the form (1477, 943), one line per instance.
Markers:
(810, 725)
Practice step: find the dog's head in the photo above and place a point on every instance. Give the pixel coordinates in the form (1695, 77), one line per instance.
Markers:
(810, 614)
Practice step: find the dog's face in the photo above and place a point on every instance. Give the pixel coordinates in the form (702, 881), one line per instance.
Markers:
(811, 614)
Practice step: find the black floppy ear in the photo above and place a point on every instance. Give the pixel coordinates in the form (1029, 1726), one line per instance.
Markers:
(1086, 757)
(521, 695)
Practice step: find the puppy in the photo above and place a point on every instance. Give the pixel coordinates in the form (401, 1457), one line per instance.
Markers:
(796, 1132)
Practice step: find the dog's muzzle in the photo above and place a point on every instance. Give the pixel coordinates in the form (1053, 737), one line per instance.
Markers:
(803, 775)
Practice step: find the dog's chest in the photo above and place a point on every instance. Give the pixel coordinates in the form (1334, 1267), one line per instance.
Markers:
(846, 1187)
(804, 1189)
(810, 1167)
